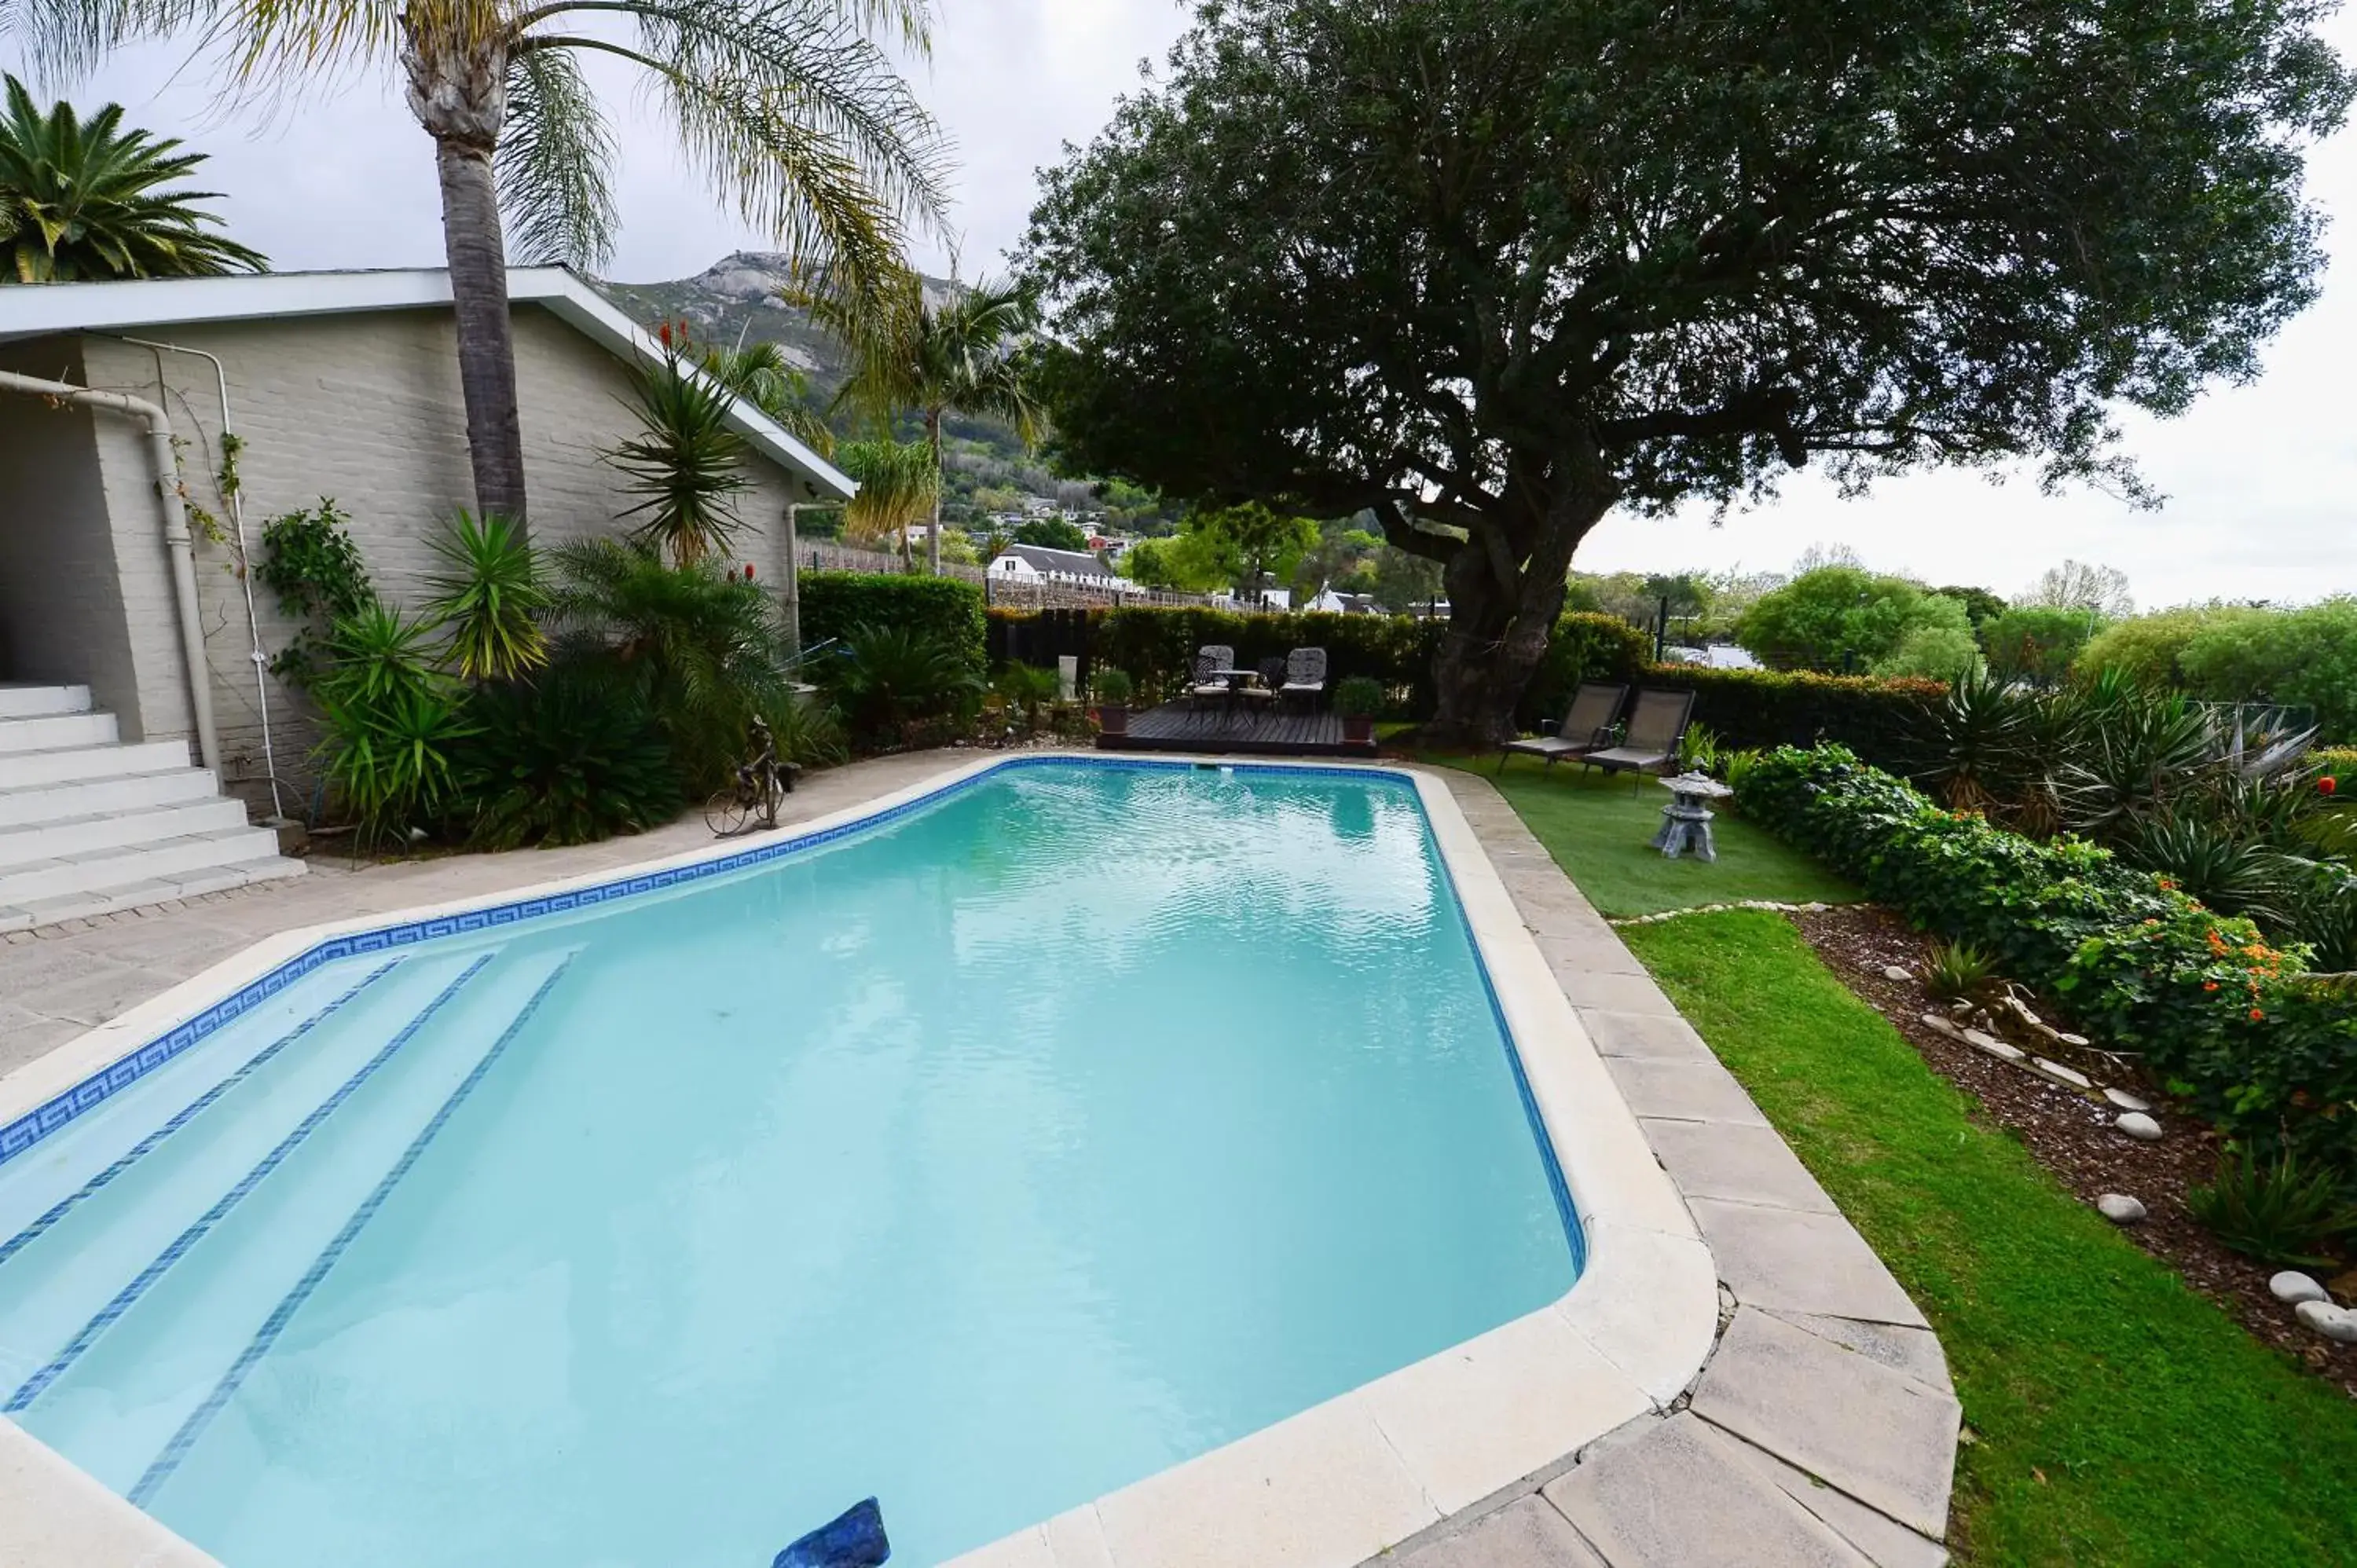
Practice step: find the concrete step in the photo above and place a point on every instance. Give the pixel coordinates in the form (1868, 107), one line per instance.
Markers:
(91, 797)
(23, 702)
(168, 861)
(52, 732)
(137, 895)
(54, 840)
(24, 769)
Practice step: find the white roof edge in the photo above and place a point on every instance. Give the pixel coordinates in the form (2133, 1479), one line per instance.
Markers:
(30, 311)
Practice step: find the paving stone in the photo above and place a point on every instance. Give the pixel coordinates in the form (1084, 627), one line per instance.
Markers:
(1679, 1496)
(1597, 951)
(1684, 1092)
(1883, 1438)
(1883, 1539)
(1615, 993)
(102, 991)
(1525, 1534)
(1644, 1034)
(1914, 1351)
(21, 1045)
(2068, 1075)
(1776, 1258)
(1743, 1165)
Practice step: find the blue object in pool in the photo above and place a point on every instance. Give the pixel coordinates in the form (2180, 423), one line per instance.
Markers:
(995, 1156)
(855, 1539)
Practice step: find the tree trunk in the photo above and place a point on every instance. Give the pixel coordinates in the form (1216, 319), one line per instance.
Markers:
(458, 92)
(1499, 620)
(933, 540)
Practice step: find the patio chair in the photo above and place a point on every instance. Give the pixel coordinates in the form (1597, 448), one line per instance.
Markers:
(1657, 724)
(1586, 727)
(1305, 674)
(1210, 657)
(1261, 698)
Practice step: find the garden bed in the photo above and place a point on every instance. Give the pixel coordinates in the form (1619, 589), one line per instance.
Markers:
(2072, 1136)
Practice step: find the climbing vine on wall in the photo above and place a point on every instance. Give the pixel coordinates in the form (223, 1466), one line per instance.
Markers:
(309, 561)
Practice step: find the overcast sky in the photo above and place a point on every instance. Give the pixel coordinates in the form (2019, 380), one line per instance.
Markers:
(2261, 480)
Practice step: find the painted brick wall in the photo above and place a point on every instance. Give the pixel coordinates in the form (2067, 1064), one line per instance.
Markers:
(365, 409)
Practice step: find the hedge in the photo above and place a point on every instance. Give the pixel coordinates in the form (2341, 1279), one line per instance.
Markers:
(1157, 648)
(1880, 720)
(2226, 1021)
(835, 603)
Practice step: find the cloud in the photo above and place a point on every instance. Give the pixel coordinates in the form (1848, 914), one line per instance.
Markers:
(2261, 480)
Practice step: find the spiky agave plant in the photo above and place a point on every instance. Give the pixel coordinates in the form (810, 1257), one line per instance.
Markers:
(487, 599)
(793, 110)
(686, 464)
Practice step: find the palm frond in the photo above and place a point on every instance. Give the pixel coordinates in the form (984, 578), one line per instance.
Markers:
(897, 481)
(795, 116)
(760, 374)
(552, 163)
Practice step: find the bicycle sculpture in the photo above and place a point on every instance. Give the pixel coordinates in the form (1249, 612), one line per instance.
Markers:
(751, 800)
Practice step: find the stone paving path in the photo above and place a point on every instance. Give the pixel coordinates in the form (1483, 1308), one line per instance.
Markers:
(1822, 1432)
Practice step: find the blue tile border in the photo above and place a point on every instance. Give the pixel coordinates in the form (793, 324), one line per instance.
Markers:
(128, 1296)
(166, 1462)
(22, 1133)
(64, 1206)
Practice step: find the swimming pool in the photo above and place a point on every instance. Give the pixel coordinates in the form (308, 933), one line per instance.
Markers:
(1064, 1125)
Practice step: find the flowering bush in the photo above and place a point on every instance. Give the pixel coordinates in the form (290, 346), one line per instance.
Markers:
(2229, 1022)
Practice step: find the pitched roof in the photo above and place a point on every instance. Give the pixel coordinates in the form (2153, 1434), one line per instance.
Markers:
(1072, 563)
(40, 310)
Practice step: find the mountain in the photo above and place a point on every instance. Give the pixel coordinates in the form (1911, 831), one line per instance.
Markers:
(740, 295)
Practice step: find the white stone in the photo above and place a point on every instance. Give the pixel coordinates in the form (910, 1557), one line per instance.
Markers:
(1939, 1022)
(2125, 1100)
(2068, 1075)
(2079, 1040)
(1994, 1047)
(1896, 971)
(2332, 1322)
(2137, 1126)
(2119, 1208)
(2293, 1286)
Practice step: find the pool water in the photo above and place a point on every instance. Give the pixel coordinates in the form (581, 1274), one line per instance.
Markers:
(1082, 1120)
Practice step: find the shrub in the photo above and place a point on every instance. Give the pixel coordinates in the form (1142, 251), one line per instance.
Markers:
(1359, 697)
(1957, 971)
(2037, 643)
(1882, 721)
(309, 561)
(2304, 658)
(1844, 617)
(1110, 687)
(2274, 1210)
(572, 758)
(893, 675)
(1584, 647)
(2227, 1020)
(835, 604)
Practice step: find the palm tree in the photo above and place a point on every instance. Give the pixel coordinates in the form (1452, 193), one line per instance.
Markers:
(760, 374)
(956, 357)
(790, 109)
(79, 199)
(899, 482)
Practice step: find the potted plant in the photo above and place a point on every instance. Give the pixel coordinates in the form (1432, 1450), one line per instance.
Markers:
(1358, 700)
(1112, 689)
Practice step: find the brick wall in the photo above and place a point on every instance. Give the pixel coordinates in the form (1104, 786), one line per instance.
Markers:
(363, 408)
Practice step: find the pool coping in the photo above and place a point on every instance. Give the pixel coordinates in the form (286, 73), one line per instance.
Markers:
(1386, 1463)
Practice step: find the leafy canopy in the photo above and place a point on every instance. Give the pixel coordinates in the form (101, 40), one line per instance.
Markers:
(86, 198)
(1493, 267)
(1846, 620)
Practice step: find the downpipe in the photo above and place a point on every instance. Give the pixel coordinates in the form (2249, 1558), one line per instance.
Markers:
(178, 542)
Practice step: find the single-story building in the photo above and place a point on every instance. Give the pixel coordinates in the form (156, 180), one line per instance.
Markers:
(130, 630)
(342, 385)
(1035, 562)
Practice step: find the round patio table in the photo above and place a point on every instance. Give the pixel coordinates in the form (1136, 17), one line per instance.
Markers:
(1686, 821)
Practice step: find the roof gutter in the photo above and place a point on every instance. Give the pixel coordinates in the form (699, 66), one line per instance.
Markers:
(176, 541)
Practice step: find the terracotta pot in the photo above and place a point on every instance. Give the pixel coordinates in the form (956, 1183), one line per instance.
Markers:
(1113, 719)
(1358, 729)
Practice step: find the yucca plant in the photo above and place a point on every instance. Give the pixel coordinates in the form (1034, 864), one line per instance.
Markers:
(389, 759)
(489, 598)
(2274, 1210)
(1976, 741)
(86, 198)
(2208, 861)
(688, 464)
(375, 655)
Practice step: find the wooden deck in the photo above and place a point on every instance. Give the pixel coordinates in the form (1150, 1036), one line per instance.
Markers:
(1180, 727)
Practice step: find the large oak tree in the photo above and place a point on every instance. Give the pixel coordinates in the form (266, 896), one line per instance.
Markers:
(1493, 268)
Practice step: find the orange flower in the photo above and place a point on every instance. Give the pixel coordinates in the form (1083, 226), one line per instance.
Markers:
(2209, 985)
(2257, 1014)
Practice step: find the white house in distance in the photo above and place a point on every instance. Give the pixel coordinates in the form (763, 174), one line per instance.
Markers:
(130, 634)
(1037, 564)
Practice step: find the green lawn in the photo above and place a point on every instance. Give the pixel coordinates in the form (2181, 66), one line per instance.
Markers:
(1598, 827)
(2121, 1418)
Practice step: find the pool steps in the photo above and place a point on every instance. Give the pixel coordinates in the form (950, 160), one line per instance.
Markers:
(161, 1285)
